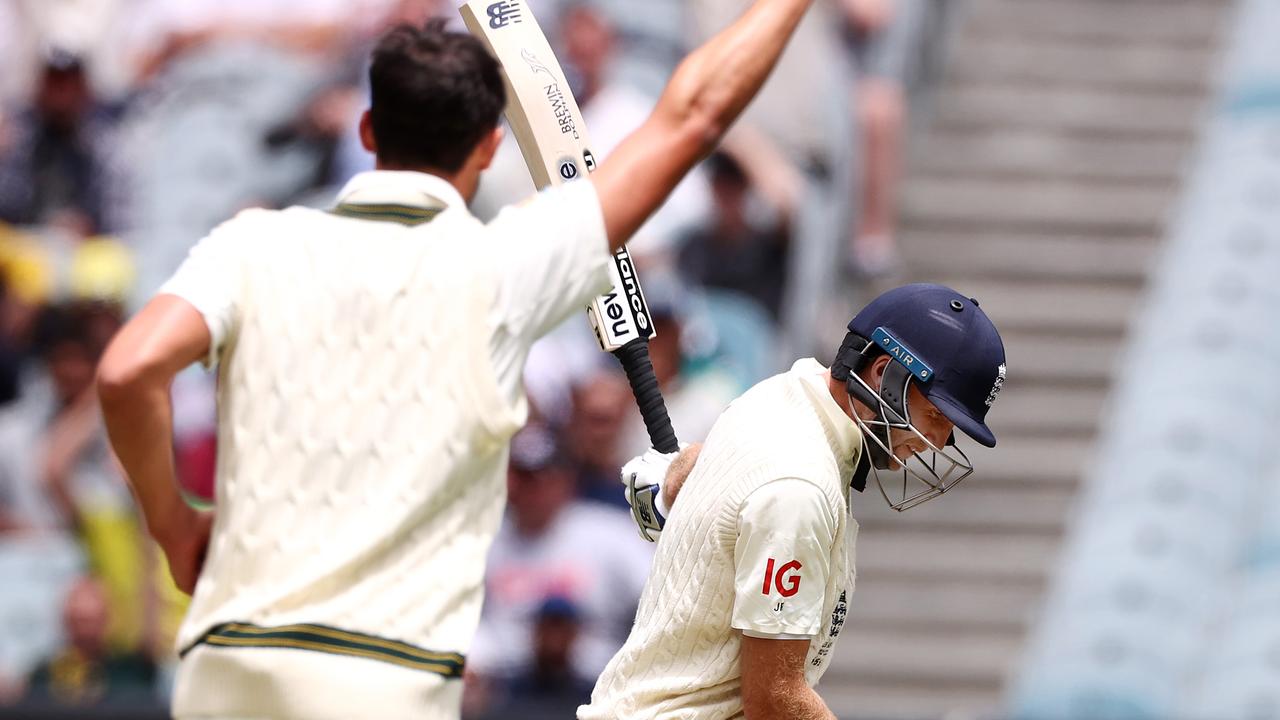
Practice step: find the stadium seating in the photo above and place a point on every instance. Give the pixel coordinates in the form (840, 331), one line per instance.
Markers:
(37, 571)
(1041, 185)
(1164, 605)
(199, 141)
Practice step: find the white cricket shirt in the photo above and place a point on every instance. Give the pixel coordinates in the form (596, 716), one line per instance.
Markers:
(760, 541)
(369, 381)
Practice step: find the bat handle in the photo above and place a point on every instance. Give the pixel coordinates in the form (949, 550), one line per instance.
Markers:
(634, 357)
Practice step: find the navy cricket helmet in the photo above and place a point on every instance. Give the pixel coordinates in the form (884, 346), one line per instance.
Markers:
(944, 343)
(956, 351)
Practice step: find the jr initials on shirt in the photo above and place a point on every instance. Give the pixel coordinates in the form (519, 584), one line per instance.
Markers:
(786, 585)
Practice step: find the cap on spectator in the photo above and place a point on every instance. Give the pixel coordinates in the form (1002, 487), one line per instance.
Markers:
(59, 59)
(102, 269)
(26, 266)
(536, 448)
(558, 607)
(723, 167)
(666, 294)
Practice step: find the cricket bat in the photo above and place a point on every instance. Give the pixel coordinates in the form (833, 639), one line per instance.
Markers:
(553, 139)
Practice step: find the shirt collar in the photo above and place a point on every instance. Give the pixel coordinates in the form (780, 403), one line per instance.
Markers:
(842, 432)
(400, 187)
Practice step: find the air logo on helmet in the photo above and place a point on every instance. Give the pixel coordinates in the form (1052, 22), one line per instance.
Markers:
(999, 385)
(902, 354)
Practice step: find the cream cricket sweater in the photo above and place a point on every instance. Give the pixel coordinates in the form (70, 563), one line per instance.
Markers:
(682, 658)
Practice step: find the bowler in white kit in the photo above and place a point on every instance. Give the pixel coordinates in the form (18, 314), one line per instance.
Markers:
(369, 359)
(754, 570)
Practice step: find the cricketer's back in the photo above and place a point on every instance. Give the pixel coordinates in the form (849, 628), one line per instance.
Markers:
(370, 361)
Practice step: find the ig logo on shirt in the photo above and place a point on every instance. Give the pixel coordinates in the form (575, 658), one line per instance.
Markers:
(785, 584)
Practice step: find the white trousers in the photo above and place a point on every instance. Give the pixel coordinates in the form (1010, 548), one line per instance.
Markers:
(222, 683)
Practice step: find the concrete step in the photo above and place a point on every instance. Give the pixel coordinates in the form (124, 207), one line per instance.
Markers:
(1046, 360)
(1024, 202)
(1086, 113)
(1047, 410)
(1064, 63)
(1049, 308)
(1082, 224)
(973, 605)
(950, 555)
(972, 509)
(996, 151)
(1183, 23)
(970, 657)
(996, 257)
(902, 699)
(1049, 460)
(1042, 187)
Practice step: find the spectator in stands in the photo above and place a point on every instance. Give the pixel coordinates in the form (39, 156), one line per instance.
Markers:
(601, 401)
(51, 442)
(99, 274)
(11, 346)
(552, 545)
(552, 676)
(167, 30)
(558, 364)
(695, 392)
(328, 123)
(89, 29)
(805, 118)
(550, 686)
(57, 473)
(95, 276)
(612, 109)
(88, 671)
(740, 251)
(77, 464)
(883, 34)
(53, 156)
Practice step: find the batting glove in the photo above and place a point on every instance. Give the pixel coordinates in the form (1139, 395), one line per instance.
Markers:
(642, 484)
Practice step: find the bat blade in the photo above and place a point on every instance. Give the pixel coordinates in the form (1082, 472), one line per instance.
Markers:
(548, 126)
(540, 108)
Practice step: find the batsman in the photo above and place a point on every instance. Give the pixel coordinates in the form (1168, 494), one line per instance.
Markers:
(754, 571)
(369, 359)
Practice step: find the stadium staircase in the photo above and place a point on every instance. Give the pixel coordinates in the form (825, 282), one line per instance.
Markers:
(1041, 184)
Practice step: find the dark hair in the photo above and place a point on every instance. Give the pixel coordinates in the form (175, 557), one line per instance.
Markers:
(724, 168)
(434, 95)
(57, 326)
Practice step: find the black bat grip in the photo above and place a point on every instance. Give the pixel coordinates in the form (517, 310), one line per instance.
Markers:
(634, 357)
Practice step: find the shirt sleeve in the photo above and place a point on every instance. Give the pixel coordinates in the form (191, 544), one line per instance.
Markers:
(782, 559)
(554, 259)
(210, 279)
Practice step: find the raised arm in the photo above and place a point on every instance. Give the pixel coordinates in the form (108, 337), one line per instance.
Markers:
(706, 95)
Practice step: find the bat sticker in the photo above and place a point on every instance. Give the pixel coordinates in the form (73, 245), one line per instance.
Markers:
(502, 14)
(555, 95)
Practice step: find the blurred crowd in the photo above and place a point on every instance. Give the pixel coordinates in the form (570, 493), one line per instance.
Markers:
(130, 128)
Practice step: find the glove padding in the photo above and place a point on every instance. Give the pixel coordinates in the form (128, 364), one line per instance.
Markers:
(642, 484)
